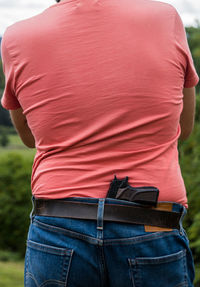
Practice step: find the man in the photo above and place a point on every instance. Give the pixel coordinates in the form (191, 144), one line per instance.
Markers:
(103, 89)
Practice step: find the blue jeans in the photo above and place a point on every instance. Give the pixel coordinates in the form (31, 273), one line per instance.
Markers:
(83, 253)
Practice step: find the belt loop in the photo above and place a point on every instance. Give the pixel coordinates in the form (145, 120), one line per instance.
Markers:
(183, 213)
(32, 215)
(100, 213)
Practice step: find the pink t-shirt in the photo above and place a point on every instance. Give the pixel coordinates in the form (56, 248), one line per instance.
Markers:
(100, 83)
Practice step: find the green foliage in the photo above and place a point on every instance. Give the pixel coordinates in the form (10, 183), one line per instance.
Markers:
(2, 79)
(8, 256)
(197, 276)
(189, 152)
(4, 117)
(190, 166)
(4, 139)
(9, 130)
(193, 34)
(15, 201)
(4, 114)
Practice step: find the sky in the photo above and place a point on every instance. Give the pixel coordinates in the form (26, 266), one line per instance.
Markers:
(12, 11)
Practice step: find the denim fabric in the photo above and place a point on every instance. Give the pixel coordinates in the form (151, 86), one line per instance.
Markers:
(82, 253)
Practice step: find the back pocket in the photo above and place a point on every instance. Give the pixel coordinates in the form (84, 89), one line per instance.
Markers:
(46, 265)
(163, 271)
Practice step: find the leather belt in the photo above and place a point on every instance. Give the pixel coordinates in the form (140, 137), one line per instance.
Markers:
(112, 212)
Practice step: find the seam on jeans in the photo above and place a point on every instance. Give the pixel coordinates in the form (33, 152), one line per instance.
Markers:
(68, 268)
(95, 241)
(68, 232)
(185, 269)
(51, 281)
(100, 266)
(28, 274)
(49, 249)
(159, 260)
(131, 272)
(183, 284)
(26, 264)
(103, 266)
(140, 238)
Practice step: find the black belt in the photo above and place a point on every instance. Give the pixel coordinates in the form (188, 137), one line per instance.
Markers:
(112, 212)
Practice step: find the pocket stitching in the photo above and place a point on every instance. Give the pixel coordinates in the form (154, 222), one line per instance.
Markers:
(183, 284)
(67, 253)
(28, 274)
(68, 268)
(135, 263)
(158, 260)
(52, 282)
(48, 248)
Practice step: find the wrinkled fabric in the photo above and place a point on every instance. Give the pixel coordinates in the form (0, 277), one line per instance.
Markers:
(100, 83)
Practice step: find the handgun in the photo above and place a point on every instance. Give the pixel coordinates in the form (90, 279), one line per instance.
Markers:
(145, 195)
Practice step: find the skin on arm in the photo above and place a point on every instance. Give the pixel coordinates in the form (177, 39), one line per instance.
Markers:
(188, 113)
(20, 123)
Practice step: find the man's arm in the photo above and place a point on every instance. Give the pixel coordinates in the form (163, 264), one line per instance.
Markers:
(20, 123)
(188, 114)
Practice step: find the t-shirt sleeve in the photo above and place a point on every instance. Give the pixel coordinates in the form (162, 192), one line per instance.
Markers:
(9, 100)
(191, 76)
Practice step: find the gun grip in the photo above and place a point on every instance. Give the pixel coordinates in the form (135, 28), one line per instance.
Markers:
(143, 195)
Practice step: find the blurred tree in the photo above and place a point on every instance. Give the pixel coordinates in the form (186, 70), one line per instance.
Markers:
(193, 35)
(15, 201)
(2, 79)
(4, 117)
(189, 152)
(4, 139)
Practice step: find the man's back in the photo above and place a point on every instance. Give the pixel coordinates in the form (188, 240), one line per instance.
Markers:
(100, 83)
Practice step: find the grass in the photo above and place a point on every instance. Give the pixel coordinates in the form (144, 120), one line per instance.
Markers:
(12, 274)
(15, 140)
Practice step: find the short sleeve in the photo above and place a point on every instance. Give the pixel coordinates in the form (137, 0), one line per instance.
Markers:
(190, 74)
(9, 100)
